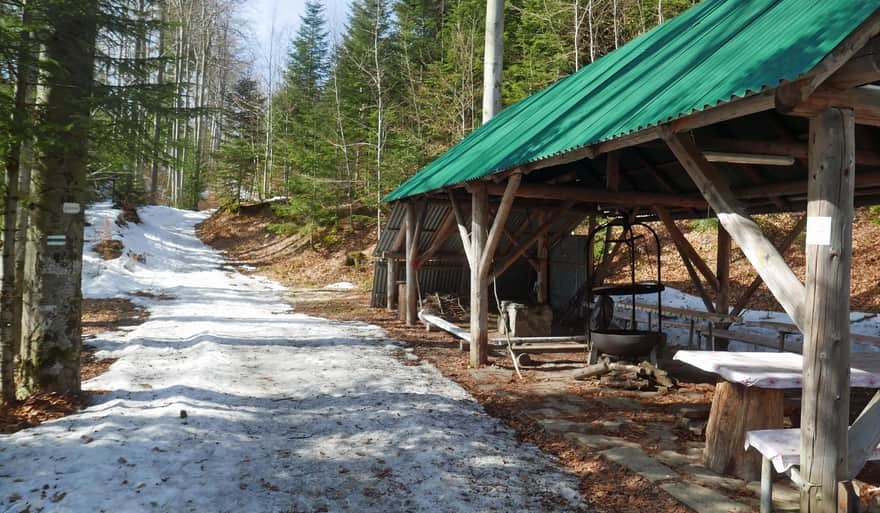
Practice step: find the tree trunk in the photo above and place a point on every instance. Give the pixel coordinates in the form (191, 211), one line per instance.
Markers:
(493, 59)
(157, 118)
(53, 266)
(10, 336)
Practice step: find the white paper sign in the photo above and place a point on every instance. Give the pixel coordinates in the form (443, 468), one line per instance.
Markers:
(819, 231)
(70, 208)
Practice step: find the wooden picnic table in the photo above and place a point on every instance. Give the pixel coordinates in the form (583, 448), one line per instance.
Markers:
(751, 398)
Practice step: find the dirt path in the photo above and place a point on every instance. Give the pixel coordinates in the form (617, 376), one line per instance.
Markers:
(225, 401)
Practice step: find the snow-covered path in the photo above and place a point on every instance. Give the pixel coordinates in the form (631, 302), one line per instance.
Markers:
(283, 412)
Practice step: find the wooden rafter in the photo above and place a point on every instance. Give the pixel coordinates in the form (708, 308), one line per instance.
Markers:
(518, 250)
(581, 194)
(462, 227)
(793, 93)
(440, 236)
(685, 248)
(746, 296)
(732, 214)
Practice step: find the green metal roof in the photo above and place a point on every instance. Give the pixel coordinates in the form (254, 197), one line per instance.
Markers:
(710, 54)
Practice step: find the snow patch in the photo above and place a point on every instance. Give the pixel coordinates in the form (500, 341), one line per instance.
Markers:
(342, 285)
(283, 412)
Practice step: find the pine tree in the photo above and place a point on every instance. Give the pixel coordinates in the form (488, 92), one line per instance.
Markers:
(241, 153)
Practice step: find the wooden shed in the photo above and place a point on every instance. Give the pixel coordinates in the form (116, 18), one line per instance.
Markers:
(738, 107)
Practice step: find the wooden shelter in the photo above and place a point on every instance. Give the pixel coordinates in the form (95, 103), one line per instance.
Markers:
(736, 107)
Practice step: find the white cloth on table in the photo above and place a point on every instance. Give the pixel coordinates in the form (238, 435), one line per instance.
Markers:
(783, 447)
(775, 370)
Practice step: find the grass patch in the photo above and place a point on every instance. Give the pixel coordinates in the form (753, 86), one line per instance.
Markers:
(709, 224)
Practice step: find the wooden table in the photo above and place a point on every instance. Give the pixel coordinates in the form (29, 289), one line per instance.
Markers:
(751, 398)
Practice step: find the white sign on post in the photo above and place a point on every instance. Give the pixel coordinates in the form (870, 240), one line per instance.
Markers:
(819, 230)
(56, 240)
(70, 208)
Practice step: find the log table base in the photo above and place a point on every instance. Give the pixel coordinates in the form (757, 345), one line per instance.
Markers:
(737, 409)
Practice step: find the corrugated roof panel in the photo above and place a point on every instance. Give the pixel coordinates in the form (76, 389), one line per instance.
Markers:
(712, 53)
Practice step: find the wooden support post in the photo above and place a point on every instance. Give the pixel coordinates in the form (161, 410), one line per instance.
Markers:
(542, 287)
(519, 249)
(612, 171)
(440, 237)
(737, 409)
(462, 228)
(864, 435)
(391, 284)
(685, 248)
(722, 298)
(732, 214)
(744, 299)
(412, 285)
(479, 282)
(825, 400)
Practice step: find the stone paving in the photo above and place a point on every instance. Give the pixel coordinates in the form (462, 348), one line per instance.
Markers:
(660, 457)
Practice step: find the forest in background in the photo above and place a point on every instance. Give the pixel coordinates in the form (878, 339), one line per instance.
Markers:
(181, 112)
(160, 101)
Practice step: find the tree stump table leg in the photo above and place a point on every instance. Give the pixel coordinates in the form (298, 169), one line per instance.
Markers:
(737, 409)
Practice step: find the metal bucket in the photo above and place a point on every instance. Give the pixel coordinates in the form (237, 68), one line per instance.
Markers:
(626, 342)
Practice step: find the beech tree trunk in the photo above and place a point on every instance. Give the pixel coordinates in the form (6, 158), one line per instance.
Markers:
(493, 58)
(51, 341)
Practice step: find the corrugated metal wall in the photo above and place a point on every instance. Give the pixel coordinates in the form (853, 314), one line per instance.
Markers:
(517, 284)
(568, 270)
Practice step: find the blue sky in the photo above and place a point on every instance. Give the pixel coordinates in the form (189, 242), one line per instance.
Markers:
(285, 14)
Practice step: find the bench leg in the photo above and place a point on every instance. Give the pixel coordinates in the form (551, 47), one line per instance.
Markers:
(594, 355)
(766, 486)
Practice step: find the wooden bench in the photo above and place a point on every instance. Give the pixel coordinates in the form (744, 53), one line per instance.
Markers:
(780, 450)
(779, 342)
(696, 321)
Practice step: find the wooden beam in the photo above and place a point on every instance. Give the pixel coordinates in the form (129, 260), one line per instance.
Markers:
(793, 93)
(722, 298)
(479, 326)
(862, 69)
(799, 188)
(685, 248)
(412, 277)
(499, 222)
(746, 296)
(390, 284)
(658, 175)
(864, 102)
(788, 147)
(542, 268)
(581, 194)
(787, 288)
(687, 252)
(521, 248)
(864, 436)
(462, 230)
(443, 232)
(612, 171)
(733, 109)
(420, 218)
(825, 399)
(695, 279)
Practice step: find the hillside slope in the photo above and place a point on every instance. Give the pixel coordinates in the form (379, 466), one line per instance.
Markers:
(246, 239)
